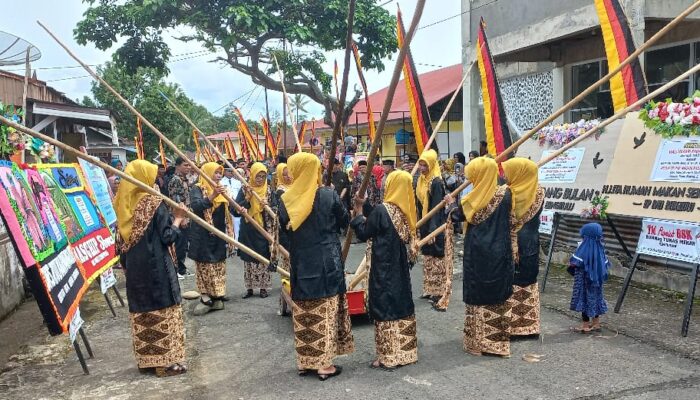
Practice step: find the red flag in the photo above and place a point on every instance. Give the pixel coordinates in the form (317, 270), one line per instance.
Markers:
(302, 132)
(269, 140)
(497, 133)
(140, 153)
(279, 138)
(371, 129)
(252, 147)
(420, 118)
(198, 151)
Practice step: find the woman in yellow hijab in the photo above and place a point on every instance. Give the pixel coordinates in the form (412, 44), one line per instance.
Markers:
(311, 218)
(208, 251)
(148, 231)
(430, 190)
(283, 179)
(487, 260)
(255, 274)
(528, 198)
(391, 226)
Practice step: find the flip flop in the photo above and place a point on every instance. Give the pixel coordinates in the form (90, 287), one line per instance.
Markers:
(580, 330)
(175, 369)
(382, 367)
(324, 377)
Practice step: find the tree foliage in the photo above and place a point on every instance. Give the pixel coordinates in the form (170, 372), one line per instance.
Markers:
(248, 32)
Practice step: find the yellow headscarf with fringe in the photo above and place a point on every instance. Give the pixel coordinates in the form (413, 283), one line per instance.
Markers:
(522, 176)
(129, 195)
(423, 186)
(482, 172)
(209, 169)
(305, 170)
(256, 207)
(399, 192)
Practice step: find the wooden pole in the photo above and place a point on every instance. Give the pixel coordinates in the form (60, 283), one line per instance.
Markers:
(420, 4)
(360, 274)
(343, 94)
(140, 185)
(579, 139)
(27, 71)
(158, 133)
(286, 103)
(501, 157)
(444, 114)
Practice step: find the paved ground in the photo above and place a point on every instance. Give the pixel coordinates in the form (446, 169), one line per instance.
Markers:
(245, 352)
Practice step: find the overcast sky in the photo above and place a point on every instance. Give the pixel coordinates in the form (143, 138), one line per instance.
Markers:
(212, 84)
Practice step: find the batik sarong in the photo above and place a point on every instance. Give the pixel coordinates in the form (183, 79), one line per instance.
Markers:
(159, 337)
(525, 304)
(396, 341)
(486, 329)
(211, 278)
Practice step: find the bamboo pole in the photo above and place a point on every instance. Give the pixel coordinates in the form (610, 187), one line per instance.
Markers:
(583, 136)
(27, 71)
(140, 185)
(343, 94)
(158, 133)
(286, 102)
(606, 78)
(420, 4)
(444, 114)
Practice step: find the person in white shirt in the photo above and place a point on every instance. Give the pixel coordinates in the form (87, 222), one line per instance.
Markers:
(232, 186)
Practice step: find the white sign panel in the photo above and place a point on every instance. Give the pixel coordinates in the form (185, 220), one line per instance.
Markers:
(546, 222)
(677, 161)
(107, 280)
(564, 168)
(75, 324)
(670, 239)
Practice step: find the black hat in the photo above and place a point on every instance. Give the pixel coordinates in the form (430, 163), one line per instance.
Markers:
(388, 162)
(362, 162)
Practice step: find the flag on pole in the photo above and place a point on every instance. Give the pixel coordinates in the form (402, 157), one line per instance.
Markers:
(230, 150)
(280, 132)
(420, 119)
(252, 147)
(335, 78)
(302, 133)
(269, 140)
(628, 85)
(198, 151)
(140, 153)
(163, 159)
(497, 133)
(370, 116)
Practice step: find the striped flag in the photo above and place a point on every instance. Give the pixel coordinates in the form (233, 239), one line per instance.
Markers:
(140, 153)
(497, 132)
(251, 147)
(163, 160)
(422, 128)
(280, 133)
(230, 150)
(302, 133)
(371, 129)
(628, 85)
(269, 140)
(198, 151)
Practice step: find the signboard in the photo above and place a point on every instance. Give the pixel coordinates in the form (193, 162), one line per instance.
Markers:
(95, 252)
(107, 280)
(75, 324)
(97, 181)
(677, 161)
(40, 240)
(670, 239)
(564, 168)
(570, 187)
(646, 179)
(546, 222)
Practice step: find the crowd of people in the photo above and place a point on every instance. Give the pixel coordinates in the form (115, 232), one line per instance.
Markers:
(266, 204)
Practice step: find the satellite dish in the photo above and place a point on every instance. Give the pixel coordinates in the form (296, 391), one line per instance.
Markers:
(13, 50)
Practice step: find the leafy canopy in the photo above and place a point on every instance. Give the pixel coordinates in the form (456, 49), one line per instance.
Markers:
(247, 32)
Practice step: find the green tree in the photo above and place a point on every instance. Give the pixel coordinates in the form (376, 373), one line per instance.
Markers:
(248, 33)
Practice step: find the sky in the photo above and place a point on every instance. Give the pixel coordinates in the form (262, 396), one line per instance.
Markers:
(209, 83)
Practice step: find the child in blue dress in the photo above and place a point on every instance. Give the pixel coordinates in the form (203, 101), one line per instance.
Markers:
(589, 265)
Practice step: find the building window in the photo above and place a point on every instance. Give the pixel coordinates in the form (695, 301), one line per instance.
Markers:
(597, 104)
(666, 64)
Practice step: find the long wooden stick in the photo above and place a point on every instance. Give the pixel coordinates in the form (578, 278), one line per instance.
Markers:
(420, 4)
(360, 274)
(444, 114)
(158, 133)
(606, 78)
(343, 93)
(286, 102)
(139, 184)
(583, 136)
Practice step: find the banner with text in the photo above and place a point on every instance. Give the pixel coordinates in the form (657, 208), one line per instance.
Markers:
(670, 239)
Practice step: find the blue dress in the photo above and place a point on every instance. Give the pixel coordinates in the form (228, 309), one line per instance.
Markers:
(586, 297)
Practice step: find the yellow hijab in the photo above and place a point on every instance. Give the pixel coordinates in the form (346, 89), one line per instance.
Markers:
(522, 178)
(482, 172)
(449, 165)
(305, 169)
(209, 169)
(256, 207)
(129, 195)
(279, 175)
(399, 192)
(423, 186)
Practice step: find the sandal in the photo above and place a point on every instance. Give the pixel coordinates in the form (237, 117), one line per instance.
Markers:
(248, 294)
(425, 296)
(581, 329)
(207, 303)
(175, 369)
(323, 377)
(304, 372)
(378, 365)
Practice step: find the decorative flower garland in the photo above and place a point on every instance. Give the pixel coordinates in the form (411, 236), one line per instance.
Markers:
(10, 139)
(559, 135)
(598, 209)
(670, 119)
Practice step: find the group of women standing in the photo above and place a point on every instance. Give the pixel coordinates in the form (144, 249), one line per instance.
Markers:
(500, 260)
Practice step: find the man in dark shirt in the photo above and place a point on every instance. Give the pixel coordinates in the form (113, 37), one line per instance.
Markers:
(179, 191)
(341, 182)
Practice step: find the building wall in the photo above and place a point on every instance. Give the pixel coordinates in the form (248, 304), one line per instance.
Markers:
(11, 288)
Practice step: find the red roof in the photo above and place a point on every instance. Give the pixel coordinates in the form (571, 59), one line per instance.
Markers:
(223, 135)
(436, 85)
